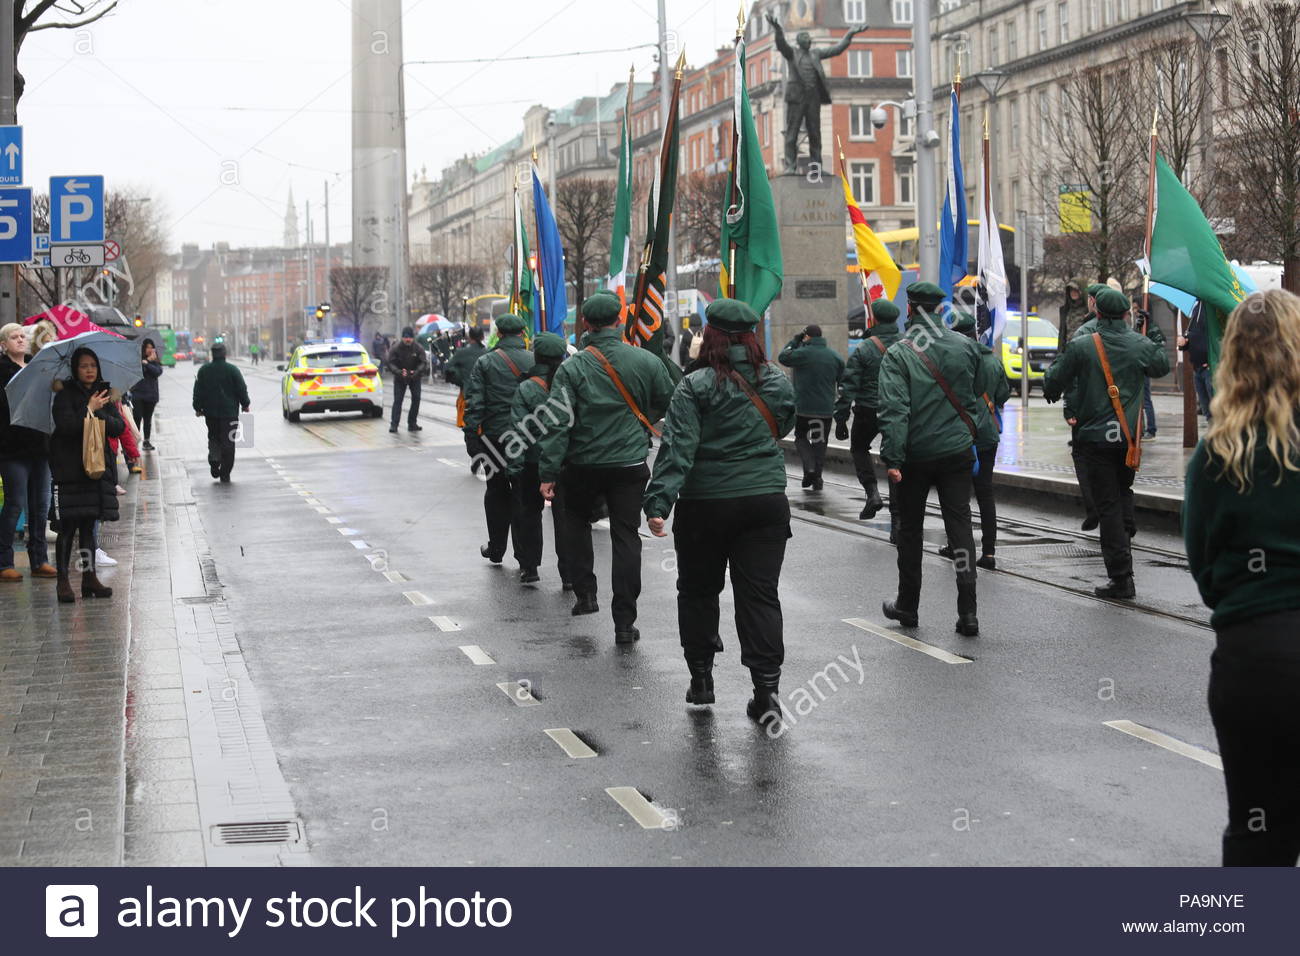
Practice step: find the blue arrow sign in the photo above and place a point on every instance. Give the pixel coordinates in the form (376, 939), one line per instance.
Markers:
(76, 209)
(16, 224)
(11, 155)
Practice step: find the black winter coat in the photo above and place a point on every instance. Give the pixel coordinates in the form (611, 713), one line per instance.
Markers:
(16, 441)
(76, 495)
(146, 390)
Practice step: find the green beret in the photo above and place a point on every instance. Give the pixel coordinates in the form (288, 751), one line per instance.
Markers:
(602, 308)
(963, 322)
(510, 324)
(1096, 287)
(1112, 304)
(731, 315)
(925, 294)
(548, 345)
(884, 311)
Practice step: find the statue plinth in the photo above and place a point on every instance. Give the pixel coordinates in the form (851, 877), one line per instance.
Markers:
(810, 216)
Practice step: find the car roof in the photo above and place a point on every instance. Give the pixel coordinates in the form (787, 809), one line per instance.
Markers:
(318, 347)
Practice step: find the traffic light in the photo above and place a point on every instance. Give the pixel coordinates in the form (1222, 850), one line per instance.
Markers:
(322, 310)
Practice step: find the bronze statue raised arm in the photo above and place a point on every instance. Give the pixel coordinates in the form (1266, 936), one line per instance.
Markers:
(806, 89)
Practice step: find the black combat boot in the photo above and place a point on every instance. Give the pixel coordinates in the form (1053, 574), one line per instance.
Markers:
(486, 551)
(701, 689)
(626, 635)
(586, 604)
(765, 706)
(528, 576)
(892, 611)
(872, 507)
(1118, 589)
(968, 624)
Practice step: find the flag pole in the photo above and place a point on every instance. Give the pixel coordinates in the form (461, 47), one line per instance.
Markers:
(539, 283)
(868, 319)
(730, 291)
(1151, 211)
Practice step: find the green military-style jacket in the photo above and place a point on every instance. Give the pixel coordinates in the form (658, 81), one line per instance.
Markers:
(917, 421)
(527, 423)
(603, 432)
(1077, 372)
(991, 385)
(462, 363)
(817, 374)
(716, 443)
(862, 371)
(492, 384)
(1071, 394)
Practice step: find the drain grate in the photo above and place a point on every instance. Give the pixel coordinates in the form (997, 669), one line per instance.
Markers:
(248, 834)
(1053, 550)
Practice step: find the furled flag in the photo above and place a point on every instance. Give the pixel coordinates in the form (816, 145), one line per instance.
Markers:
(552, 300)
(992, 270)
(1186, 255)
(751, 244)
(645, 325)
(880, 274)
(521, 285)
(953, 253)
(620, 242)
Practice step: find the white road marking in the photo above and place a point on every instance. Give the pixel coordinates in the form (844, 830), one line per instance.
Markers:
(444, 624)
(321, 509)
(570, 743)
(418, 598)
(396, 577)
(938, 653)
(1172, 744)
(452, 462)
(520, 694)
(639, 808)
(358, 544)
(477, 655)
(334, 520)
(310, 501)
(347, 531)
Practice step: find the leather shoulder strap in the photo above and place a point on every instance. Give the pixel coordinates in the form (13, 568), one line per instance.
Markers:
(879, 344)
(1133, 457)
(540, 381)
(622, 389)
(513, 367)
(947, 389)
(757, 399)
(992, 411)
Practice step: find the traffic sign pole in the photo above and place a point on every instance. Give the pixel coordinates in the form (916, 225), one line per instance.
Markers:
(8, 115)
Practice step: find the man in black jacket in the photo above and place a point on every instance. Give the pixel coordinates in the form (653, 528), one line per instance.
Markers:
(1195, 346)
(408, 363)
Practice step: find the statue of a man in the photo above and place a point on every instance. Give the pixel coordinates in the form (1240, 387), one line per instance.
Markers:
(806, 88)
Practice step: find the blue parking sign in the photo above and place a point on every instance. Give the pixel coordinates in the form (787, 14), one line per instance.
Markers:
(76, 209)
(16, 224)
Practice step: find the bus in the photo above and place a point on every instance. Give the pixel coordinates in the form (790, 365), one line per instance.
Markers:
(904, 245)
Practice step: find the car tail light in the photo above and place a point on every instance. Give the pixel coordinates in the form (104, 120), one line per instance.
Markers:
(302, 376)
(368, 371)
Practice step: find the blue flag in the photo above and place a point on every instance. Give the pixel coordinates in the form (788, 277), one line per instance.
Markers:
(552, 300)
(953, 253)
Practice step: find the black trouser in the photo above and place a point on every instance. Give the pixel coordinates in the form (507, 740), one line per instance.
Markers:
(622, 488)
(142, 412)
(528, 531)
(400, 387)
(501, 506)
(1081, 475)
(987, 503)
(811, 433)
(1254, 673)
(221, 444)
(70, 533)
(864, 432)
(1111, 482)
(811, 118)
(951, 476)
(748, 535)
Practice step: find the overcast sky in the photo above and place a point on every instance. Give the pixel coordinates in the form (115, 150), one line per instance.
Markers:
(162, 93)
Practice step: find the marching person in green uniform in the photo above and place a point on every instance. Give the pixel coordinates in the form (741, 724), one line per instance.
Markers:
(1107, 372)
(531, 413)
(928, 414)
(720, 463)
(991, 393)
(859, 391)
(488, 394)
(1090, 519)
(615, 393)
(460, 365)
(817, 374)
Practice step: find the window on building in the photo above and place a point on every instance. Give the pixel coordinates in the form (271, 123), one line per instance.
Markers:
(905, 130)
(1040, 27)
(1013, 127)
(1107, 12)
(904, 194)
(902, 11)
(1013, 51)
(1044, 116)
(860, 127)
(862, 180)
(859, 63)
(903, 63)
(1015, 196)
(1063, 22)
(1090, 14)
(1124, 9)
(995, 55)
(855, 11)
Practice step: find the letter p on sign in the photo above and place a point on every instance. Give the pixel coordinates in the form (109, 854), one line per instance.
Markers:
(71, 910)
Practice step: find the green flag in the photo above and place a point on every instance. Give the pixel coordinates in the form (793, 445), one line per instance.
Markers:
(751, 244)
(521, 292)
(620, 242)
(1185, 254)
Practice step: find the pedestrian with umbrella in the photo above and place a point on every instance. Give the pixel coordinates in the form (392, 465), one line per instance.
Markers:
(25, 470)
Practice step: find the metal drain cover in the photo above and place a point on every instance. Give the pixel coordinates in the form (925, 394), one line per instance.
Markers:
(247, 834)
(1054, 550)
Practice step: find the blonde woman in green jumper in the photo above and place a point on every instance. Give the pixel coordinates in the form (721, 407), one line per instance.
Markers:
(1241, 525)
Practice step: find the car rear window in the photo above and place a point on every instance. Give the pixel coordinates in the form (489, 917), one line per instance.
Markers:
(333, 359)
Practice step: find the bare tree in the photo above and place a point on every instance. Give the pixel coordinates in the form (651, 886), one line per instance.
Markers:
(1098, 143)
(698, 220)
(356, 291)
(52, 15)
(585, 216)
(1171, 77)
(444, 285)
(1261, 172)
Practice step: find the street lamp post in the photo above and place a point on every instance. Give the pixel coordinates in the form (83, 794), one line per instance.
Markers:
(927, 141)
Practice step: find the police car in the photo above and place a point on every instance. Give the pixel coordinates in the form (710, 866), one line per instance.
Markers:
(337, 375)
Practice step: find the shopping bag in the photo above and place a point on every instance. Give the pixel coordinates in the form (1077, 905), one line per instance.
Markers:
(92, 446)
